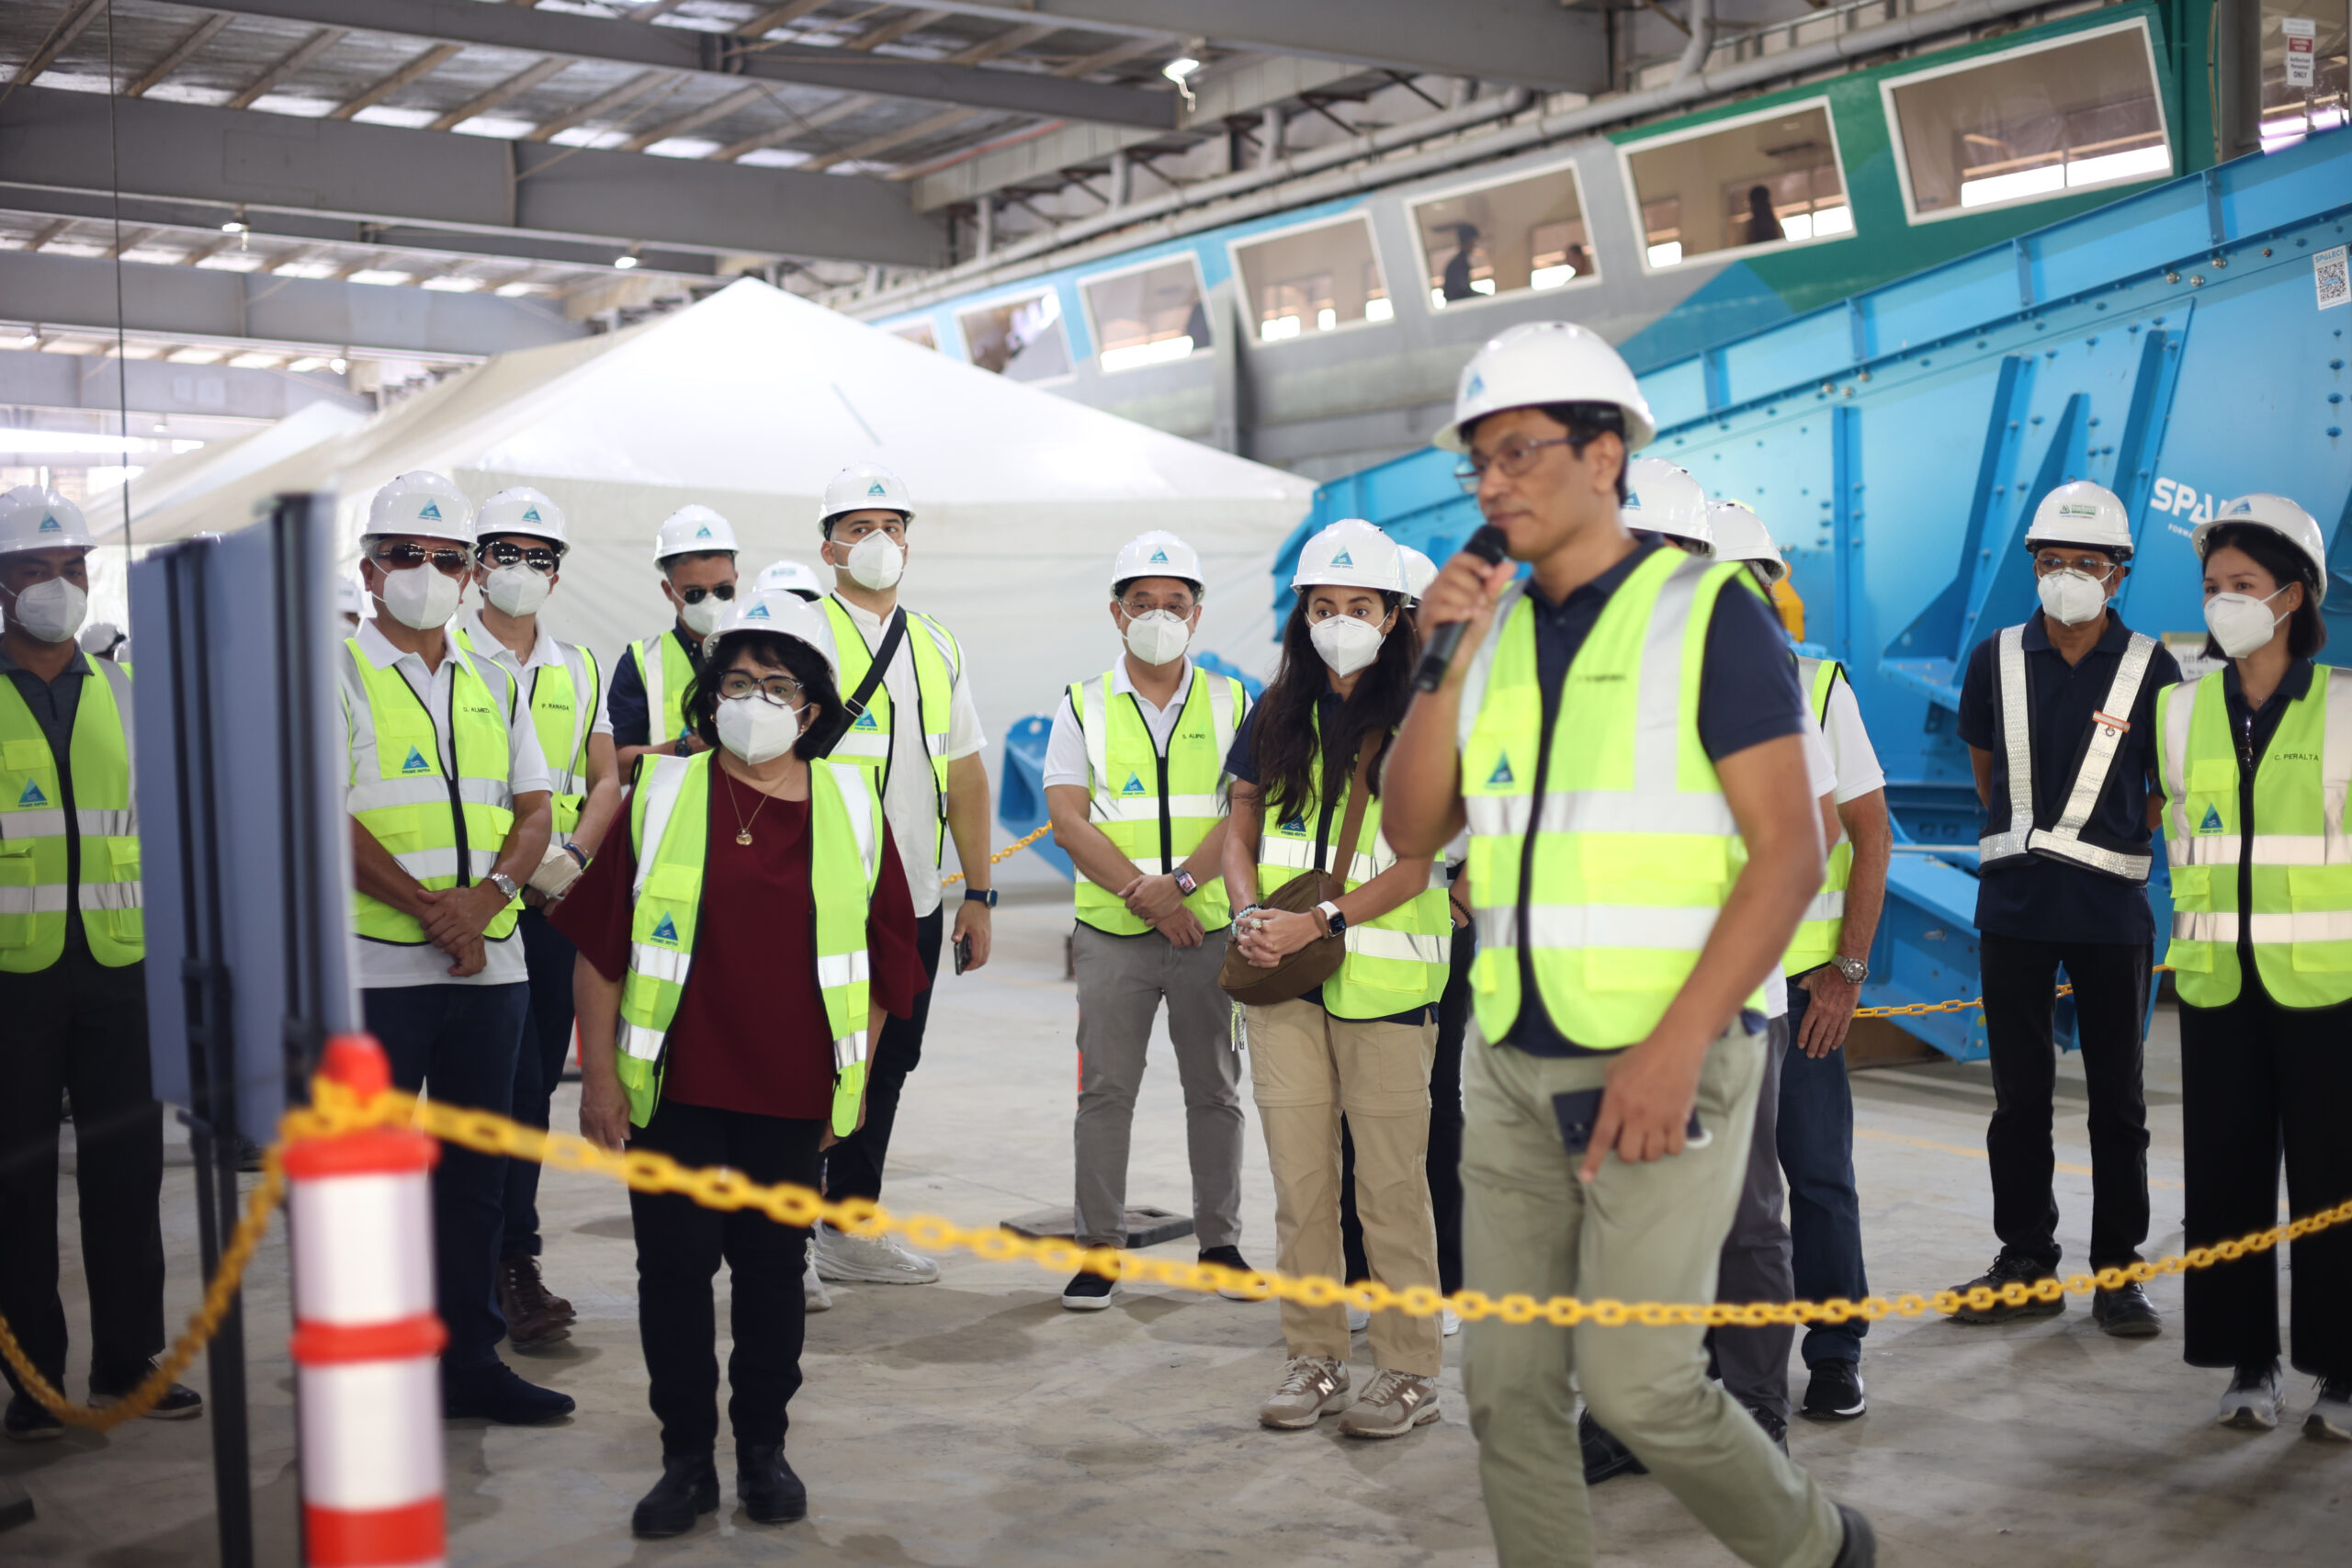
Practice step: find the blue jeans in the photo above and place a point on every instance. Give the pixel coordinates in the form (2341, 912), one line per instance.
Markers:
(459, 1041)
(1816, 1143)
(538, 1068)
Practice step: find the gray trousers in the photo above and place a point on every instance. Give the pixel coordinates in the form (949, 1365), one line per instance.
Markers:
(1758, 1258)
(1121, 982)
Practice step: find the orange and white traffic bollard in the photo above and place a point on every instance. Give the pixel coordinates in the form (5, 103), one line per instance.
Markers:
(367, 1340)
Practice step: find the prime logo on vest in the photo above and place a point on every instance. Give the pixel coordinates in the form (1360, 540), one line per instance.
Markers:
(2212, 823)
(416, 762)
(865, 721)
(1502, 774)
(32, 796)
(1133, 786)
(1296, 825)
(667, 932)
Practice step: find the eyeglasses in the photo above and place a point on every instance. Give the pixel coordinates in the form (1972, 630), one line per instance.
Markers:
(405, 557)
(1146, 606)
(724, 593)
(1514, 455)
(542, 559)
(779, 688)
(2097, 568)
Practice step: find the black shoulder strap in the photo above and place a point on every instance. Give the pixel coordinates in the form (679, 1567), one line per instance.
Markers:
(895, 635)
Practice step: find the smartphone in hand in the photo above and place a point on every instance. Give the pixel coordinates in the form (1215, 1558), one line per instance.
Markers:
(963, 953)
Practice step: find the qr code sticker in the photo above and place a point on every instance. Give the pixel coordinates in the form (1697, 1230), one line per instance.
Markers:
(2332, 277)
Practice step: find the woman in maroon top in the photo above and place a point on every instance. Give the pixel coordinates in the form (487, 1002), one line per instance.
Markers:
(748, 1061)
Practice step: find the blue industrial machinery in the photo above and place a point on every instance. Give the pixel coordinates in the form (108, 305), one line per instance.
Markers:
(2180, 346)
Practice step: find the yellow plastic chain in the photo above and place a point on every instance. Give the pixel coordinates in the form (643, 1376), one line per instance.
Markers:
(1003, 854)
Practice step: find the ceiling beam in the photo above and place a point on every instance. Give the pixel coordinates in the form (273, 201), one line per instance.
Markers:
(49, 231)
(32, 379)
(424, 65)
(61, 34)
(310, 48)
(487, 186)
(178, 55)
(1004, 42)
(892, 31)
(718, 109)
(774, 17)
(515, 86)
(632, 42)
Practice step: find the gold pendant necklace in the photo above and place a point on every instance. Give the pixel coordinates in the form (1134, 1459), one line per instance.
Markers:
(742, 826)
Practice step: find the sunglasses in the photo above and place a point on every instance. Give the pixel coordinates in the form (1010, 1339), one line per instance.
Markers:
(542, 559)
(724, 593)
(403, 558)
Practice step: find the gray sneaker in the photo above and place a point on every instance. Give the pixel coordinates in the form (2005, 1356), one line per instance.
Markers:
(2251, 1404)
(1393, 1404)
(869, 1259)
(2330, 1418)
(1312, 1388)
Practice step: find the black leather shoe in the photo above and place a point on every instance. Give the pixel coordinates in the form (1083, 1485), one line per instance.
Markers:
(2126, 1313)
(2009, 1268)
(495, 1394)
(1605, 1456)
(688, 1488)
(180, 1402)
(1860, 1549)
(27, 1421)
(766, 1487)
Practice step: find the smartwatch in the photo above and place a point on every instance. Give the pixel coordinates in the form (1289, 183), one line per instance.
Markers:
(505, 885)
(678, 748)
(1186, 882)
(1856, 970)
(1335, 922)
(983, 896)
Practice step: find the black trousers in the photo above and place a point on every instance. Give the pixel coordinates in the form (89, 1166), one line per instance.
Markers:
(2111, 981)
(538, 1068)
(2256, 1077)
(854, 1166)
(1444, 1162)
(80, 1027)
(679, 1246)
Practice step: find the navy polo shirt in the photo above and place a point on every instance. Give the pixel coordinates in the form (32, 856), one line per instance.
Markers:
(624, 702)
(2037, 898)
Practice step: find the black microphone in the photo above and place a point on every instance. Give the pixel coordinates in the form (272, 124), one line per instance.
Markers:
(1491, 545)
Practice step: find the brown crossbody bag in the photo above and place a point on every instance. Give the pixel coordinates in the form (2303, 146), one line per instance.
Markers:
(1300, 972)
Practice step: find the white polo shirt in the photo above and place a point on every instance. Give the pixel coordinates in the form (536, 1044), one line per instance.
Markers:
(1065, 760)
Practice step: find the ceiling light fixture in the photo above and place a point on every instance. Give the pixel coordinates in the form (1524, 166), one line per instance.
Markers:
(235, 222)
(625, 262)
(1180, 71)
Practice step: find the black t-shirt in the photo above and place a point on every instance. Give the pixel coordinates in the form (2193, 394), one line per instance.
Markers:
(1748, 695)
(624, 702)
(2037, 898)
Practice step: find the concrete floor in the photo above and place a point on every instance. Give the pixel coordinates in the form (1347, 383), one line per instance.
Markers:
(973, 1422)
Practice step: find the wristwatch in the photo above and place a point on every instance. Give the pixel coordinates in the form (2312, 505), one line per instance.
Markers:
(983, 896)
(678, 748)
(505, 885)
(1186, 882)
(1856, 970)
(1334, 921)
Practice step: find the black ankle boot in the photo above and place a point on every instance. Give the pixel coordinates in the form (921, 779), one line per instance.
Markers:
(688, 1487)
(766, 1487)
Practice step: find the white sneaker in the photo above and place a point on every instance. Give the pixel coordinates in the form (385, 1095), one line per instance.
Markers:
(869, 1259)
(1453, 1322)
(2330, 1418)
(814, 1297)
(2251, 1404)
(1358, 1320)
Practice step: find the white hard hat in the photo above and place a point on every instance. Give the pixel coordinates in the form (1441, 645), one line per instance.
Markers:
(1419, 573)
(521, 510)
(789, 576)
(1156, 554)
(690, 530)
(1350, 553)
(34, 518)
(421, 502)
(1547, 361)
(348, 599)
(99, 638)
(787, 614)
(2282, 517)
(1662, 499)
(2082, 514)
(1740, 535)
(864, 485)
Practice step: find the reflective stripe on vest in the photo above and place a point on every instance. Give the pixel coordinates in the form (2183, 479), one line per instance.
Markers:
(2299, 851)
(1815, 943)
(445, 832)
(671, 813)
(938, 664)
(35, 834)
(1633, 849)
(2062, 840)
(1395, 961)
(662, 660)
(1156, 831)
(561, 719)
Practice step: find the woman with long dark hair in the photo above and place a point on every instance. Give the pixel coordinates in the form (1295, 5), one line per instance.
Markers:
(1363, 1042)
(735, 942)
(2256, 759)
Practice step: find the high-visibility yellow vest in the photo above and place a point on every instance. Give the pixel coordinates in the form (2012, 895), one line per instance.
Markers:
(2296, 845)
(1817, 940)
(563, 699)
(1156, 809)
(669, 828)
(662, 660)
(444, 831)
(1395, 963)
(35, 890)
(939, 663)
(1606, 839)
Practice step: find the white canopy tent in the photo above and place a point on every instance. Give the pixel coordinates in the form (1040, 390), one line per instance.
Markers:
(748, 402)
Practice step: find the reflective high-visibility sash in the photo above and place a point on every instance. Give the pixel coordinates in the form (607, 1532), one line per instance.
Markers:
(2062, 840)
(35, 890)
(667, 672)
(1613, 852)
(669, 830)
(2297, 846)
(561, 721)
(1156, 809)
(444, 831)
(1815, 943)
(1395, 963)
(939, 663)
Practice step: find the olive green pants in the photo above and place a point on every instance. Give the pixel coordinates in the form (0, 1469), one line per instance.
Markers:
(1649, 1232)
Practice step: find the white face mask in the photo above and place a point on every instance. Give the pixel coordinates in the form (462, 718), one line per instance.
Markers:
(755, 728)
(876, 561)
(1346, 644)
(420, 597)
(2072, 597)
(2240, 621)
(51, 611)
(516, 589)
(1157, 636)
(703, 619)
